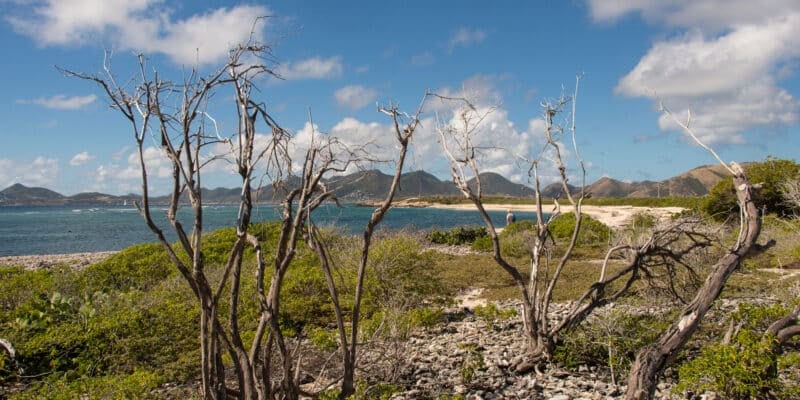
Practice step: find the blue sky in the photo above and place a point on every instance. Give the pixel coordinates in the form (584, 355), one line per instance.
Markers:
(732, 62)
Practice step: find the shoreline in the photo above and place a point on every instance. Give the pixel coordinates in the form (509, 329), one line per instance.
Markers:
(614, 216)
(44, 261)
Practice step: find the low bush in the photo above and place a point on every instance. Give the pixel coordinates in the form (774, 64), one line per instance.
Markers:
(456, 236)
(516, 240)
(611, 339)
(492, 314)
(746, 367)
(593, 232)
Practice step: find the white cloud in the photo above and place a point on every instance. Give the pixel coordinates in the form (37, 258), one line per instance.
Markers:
(725, 67)
(355, 97)
(312, 68)
(141, 25)
(40, 171)
(465, 37)
(81, 158)
(477, 88)
(62, 102)
(159, 168)
(705, 14)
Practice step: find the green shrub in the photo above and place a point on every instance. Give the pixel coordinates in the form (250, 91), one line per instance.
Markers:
(772, 173)
(593, 232)
(456, 236)
(323, 339)
(471, 363)
(136, 385)
(642, 220)
(747, 366)
(137, 267)
(611, 339)
(491, 314)
(516, 240)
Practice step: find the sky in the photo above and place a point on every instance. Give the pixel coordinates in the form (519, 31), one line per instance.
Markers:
(732, 63)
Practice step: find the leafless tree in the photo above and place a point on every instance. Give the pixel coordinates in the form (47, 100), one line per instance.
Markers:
(662, 249)
(652, 360)
(267, 367)
(183, 133)
(404, 126)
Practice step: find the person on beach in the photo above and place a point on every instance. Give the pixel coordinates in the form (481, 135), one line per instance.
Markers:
(510, 217)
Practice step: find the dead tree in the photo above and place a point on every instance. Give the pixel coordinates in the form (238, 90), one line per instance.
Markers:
(183, 135)
(404, 126)
(652, 360)
(663, 248)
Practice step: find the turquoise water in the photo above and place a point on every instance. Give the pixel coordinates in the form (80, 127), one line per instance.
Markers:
(70, 229)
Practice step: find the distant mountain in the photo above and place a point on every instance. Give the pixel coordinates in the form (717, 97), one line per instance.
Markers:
(421, 183)
(19, 194)
(372, 185)
(696, 182)
(493, 184)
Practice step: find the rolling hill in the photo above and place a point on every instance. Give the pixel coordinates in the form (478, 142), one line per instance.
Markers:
(373, 184)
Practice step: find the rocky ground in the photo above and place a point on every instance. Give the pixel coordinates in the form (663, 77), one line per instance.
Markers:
(468, 358)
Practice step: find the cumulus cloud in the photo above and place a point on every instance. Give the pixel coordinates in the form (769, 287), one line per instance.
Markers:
(140, 25)
(159, 168)
(62, 102)
(312, 68)
(465, 37)
(726, 66)
(81, 158)
(706, 14)
(355, 97)
(40, 171)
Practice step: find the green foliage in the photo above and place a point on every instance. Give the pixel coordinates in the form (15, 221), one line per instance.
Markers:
(137, 267)
(516, 240)
(136, 385)
(772, 173)
(491, 314)
(456, 236)
(471, 363)
(746, 367)
(323, 339)
(521, 226)
(593, 232)
(398, 324)
(642, 220)
(364, 391)
(612, 339)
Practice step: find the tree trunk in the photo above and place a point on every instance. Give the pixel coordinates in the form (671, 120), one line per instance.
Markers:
(652, 360)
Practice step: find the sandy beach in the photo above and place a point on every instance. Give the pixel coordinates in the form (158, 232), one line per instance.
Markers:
(74, 260)
(613, 216)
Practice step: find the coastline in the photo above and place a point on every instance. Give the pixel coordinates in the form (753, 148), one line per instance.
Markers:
(614, 216)
(72, 260)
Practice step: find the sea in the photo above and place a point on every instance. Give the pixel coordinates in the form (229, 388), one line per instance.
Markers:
(35, 230)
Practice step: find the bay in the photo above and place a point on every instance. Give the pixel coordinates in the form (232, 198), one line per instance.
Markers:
(69, 229)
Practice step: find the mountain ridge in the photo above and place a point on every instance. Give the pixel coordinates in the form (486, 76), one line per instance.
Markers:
(372, 185)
